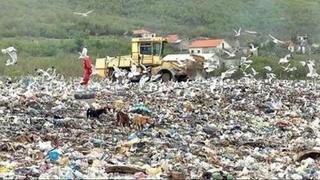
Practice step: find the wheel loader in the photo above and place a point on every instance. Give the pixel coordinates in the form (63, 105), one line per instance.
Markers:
(147, 58)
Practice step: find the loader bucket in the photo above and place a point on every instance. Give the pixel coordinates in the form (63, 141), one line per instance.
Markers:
(194, 67)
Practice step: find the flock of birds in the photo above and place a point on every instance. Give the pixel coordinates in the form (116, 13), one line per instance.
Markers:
(222, 112)
(211, 63)
(245, 61)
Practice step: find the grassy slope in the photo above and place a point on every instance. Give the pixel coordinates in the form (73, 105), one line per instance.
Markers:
(26, 66)
(46, 32)
(190, 18)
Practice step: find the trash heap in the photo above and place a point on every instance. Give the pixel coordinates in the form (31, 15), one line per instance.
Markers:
(205, 129)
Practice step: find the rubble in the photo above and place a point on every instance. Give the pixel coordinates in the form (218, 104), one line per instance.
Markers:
(210, 128)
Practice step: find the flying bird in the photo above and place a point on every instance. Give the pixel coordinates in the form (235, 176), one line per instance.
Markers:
(109, 58)
(118, 72)
(230, 54)
(133, 71)
(288, 68)
(251, 32)
(83, 14)
(83, 53)
(155, 77)
(237, 33)
(275, 104)
(143, 80)
(268, 68)
(245, 61)
(254, 72)
(12, 52)
(303, 63)
(285, 59)
(145, 69)
(312, 70)
(271, 76)
(252, 48)
(228, 73)
(94, 70)
(211, 64)
(44, 74)
(275, 40)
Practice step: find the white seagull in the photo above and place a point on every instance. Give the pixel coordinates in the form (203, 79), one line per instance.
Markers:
(285, 59)
(312, 70)
(228, 73)
(43, 73)
(252, 48)
(94, 70)
(237, 33)
(118, 72)
(83, 53)
(211, 64)
(254, 72)
(133, 71)
(12, 52)
(209, 67)
(155, 77)
(83, 14)
(303, 63)
(251, 32)
(143, 80)
(230, 54)
(109, 58)
(275, 40)
(288, 68)
(268, 68)
(245, 61)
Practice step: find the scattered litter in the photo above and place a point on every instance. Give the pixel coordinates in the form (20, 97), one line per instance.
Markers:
(203, 129)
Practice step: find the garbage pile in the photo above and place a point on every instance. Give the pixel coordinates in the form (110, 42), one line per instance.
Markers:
(206, 129)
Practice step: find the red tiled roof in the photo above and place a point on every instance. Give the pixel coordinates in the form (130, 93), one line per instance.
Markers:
(140, 31)
(172, 38)
(205, 43)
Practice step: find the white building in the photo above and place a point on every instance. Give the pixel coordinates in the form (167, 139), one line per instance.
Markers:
(205, 46)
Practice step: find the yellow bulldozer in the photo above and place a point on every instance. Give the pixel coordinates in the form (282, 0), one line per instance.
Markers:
(147, 58)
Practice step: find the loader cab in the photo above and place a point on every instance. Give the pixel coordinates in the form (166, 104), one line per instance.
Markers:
(148, 50)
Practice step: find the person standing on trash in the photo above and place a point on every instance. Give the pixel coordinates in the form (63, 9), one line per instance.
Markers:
(87, 67)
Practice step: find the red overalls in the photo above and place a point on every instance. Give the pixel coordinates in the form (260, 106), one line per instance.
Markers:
(87, 70)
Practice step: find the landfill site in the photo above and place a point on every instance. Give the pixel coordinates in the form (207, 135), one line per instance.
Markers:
(147, 89)
(203, 129)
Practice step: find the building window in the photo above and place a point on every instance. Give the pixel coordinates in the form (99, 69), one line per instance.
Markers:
(222, 45)
(192, 51)
(198, 51)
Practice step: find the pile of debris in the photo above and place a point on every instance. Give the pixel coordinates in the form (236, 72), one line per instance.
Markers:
(203, 129)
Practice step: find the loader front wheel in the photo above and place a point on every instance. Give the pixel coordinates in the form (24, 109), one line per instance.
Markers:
(111, 75)
(166, 77)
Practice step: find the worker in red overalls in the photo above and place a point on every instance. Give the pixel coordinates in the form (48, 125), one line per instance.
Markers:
(87, 67)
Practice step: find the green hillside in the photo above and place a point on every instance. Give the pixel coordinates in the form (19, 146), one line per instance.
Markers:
(49, 28)
(54, 19)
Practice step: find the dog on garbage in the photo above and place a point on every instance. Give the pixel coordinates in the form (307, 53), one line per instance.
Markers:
(139, 120)
(123, 119)
(96, 113)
